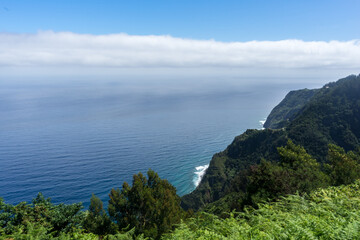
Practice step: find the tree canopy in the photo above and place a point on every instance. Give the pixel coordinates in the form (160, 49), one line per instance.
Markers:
(151, 205)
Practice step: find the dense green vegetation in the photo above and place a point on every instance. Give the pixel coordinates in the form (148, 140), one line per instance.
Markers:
(296, 171)
(288, 108)
(148, 208)
(151, 209)
(40, 220)
(330, 116)
(267, 184)
(151, 205)
(231, 165)
(332, 213)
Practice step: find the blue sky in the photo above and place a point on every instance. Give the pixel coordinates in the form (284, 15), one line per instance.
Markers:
(225, 20)
(264, 39)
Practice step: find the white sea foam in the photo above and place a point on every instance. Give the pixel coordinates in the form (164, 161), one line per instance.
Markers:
(199, 173)
(262, 122)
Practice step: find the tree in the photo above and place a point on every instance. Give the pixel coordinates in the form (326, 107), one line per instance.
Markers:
(344, 168)
(96, 220)
(305, 170)
(7, 213)
(296, 171)
(151, 205)
(53, 219)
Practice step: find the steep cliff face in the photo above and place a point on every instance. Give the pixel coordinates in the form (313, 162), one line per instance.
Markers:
(288, 108)
(245, 150)
(311, 118)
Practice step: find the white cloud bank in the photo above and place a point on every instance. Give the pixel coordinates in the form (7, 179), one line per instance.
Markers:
(122, 50)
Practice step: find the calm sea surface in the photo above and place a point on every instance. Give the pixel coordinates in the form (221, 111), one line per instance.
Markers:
(68, 140)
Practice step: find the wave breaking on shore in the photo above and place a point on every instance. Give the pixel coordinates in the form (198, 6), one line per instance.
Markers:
(262, 122)
(199, 173)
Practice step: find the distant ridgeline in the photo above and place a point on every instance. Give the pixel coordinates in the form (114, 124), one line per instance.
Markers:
(310, 118)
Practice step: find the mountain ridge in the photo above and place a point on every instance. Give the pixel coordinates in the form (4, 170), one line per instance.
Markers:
(329, 115)
(293, 102)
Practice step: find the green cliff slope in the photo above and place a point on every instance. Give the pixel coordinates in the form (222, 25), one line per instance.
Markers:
(287, 108)
(327, 115)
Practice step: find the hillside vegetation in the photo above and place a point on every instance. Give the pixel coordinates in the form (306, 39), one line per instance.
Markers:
(330, 115)
(293, 103)
(151, 209)
(267, 184)
(331, 213)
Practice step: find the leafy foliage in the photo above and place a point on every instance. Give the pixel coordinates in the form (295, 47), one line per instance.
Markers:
(246, 150)
(288, 108)
(43, 220)
(150, 208)
(150, 205)
(296, 171)
(330, 116)
(97, 221)
(332, 213)
(344, 168)
(41, 217)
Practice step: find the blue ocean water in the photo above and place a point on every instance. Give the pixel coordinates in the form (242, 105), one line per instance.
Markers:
(73, 138)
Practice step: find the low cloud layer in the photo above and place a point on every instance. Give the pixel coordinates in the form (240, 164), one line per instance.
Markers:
(50, 49)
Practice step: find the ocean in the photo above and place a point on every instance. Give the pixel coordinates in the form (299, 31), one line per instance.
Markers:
(69, 139)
